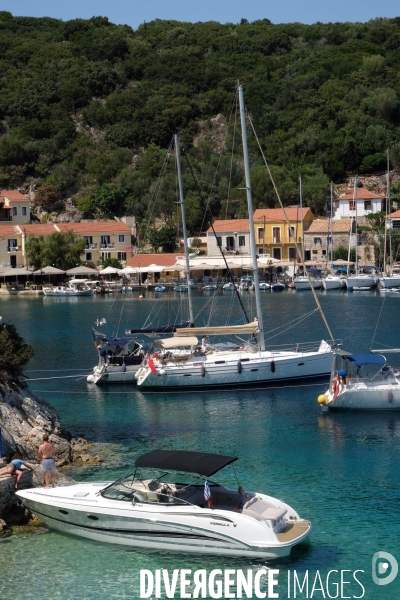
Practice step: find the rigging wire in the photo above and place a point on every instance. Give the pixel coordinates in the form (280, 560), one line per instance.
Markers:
(299, 254)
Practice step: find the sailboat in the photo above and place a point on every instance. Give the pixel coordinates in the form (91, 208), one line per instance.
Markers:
(358, 281)
(331, 281)
(389, 280)
(180, 362)
(362, 382)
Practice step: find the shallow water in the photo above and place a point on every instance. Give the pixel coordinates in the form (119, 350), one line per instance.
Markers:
(339, 471)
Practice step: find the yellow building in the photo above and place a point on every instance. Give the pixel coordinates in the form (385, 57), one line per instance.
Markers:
(273, 234)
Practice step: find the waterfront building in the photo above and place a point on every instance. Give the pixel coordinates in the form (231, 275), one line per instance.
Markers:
(275, 237)
(318, 235)
(232, 235)
(360, 204)
(15, 208)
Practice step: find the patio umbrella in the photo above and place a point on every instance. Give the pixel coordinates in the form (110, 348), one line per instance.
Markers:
(49, 271)
(109, 271)
(81, 270)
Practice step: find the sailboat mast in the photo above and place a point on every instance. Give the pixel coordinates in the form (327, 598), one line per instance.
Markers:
(302, 223)
(329, 244)
(251, 219)
(185, 241)
(355, 197)
(388, 213)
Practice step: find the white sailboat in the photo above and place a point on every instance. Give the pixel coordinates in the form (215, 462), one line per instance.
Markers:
(362, 382)
(359, 280)
(331, 281)
(389, 279)
(180, 362)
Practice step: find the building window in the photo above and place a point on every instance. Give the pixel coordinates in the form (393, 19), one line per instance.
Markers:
(121, 239)
(88, 256)
(12, 245)
(89, 241)
(367, 205)
(352, 205)
(291, 232)
(122, 256)
(276, 234)
(219, 242)
(307, 255)
(260, 234)
(277, 253)
(24, 211)
(323, 252)
(242, 240)
(317, 241)
(230, 243)
(15, 211)
(395, 224)
(105, 241)
(106, 255)
(292, 253)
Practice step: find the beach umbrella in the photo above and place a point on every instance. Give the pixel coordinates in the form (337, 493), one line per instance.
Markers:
(49, 270)
(81, 270)
(109, 271)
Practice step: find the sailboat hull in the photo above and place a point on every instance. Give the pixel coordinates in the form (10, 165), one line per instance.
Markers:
(390, 282)
(371, 395)
(361, 281)
(227, 369)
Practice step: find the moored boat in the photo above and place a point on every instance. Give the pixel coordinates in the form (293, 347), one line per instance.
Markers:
(168, 504)
(68, 290)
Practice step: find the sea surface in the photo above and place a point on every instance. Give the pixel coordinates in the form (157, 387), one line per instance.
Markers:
(341, 471)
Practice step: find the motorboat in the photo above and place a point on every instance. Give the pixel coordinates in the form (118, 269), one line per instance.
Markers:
(390, 281)
(362, 382)
(361, 280)
(263, 285)
(168, 504)
(278, 286)
(246, 283)
(210, 287)
(69, 290)
(302, 282)
(181, 287)
(230, 287)
(333, 282)
(160, 288)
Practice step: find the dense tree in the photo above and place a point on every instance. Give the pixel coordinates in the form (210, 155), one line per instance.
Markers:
(61, 250)
(14, 355)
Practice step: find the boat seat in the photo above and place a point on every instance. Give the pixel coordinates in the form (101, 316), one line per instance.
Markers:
(263, 511)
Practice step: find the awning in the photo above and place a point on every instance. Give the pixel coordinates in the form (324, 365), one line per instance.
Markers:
(116, 341)
(184, 460)
(247, 328)
(366, 359)
(178, 342)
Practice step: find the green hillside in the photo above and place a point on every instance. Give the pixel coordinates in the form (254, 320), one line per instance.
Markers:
(90, 107)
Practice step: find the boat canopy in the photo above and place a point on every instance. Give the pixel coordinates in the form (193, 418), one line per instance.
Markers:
(116, 341)
(185, 460)
(366, 359)
(176, 342)
(162, 329)
(220, 330)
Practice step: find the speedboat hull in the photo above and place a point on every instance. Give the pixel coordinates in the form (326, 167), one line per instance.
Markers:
(224, 369)
(360, 281)
(64, 292)
(81, 510)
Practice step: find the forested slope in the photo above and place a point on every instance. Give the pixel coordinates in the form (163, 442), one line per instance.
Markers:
(90, 107)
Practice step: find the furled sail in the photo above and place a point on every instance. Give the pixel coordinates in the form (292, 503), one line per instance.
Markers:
(247, 328)
(176, 343)
(163, 329)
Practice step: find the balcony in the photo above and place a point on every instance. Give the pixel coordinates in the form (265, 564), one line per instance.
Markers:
(12, 249)
(107, 245)
(91, 246)
(5, 218)
(277, 240)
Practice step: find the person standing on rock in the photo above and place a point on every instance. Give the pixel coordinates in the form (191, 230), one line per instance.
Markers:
(15, 467)
(46, 454)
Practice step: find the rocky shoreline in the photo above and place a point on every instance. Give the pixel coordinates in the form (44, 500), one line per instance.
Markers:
(24, 418)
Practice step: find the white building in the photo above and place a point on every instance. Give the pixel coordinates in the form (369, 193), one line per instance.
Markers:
(232, 235)
(360, 203)
(15, 208)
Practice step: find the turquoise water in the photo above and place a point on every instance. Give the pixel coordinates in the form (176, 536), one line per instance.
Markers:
(339, 471)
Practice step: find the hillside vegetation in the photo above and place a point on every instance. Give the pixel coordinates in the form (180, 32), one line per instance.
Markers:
(90, 108)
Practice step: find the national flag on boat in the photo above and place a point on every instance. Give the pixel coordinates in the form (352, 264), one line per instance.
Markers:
(207, 494)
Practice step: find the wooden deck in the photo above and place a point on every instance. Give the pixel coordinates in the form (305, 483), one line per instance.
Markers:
(293, 530)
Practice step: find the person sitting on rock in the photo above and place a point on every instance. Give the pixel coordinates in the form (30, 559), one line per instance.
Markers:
(15, 467)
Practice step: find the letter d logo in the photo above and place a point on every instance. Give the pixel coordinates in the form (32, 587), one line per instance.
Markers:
(380, 568)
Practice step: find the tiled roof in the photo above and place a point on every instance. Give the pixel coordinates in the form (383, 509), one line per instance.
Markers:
(361, 193)
(395, 215)
(322, 226)
(13, 196)
(37, 229)
(95, 227)
(145, 260)
(8, 231)
(276, 214)
(230, 226)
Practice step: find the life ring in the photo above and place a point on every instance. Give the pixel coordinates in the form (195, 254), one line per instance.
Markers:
(335, 388)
